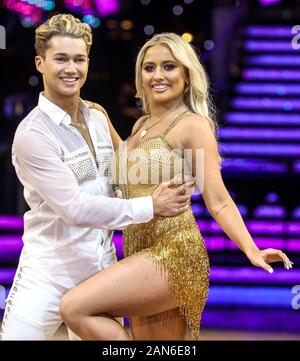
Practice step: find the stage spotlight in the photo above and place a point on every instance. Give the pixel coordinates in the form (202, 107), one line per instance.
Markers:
(177, 10)
(188, 37)
(209, 44)
(149, 29)
(33, 80)
(127, 25)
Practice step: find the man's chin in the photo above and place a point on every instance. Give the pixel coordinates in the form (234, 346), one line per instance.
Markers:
(69, 92)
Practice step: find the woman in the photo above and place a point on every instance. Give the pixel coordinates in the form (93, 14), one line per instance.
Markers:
(162, 284)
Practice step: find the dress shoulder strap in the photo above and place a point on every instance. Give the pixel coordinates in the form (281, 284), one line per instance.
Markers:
(174, 122)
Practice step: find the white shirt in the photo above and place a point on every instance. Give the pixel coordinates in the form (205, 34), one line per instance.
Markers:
(66, 230)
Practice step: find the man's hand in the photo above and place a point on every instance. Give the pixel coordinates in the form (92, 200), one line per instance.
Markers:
(169, 202)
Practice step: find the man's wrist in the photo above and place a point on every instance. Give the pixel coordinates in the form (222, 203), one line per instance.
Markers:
(154, 203)
(142, 208)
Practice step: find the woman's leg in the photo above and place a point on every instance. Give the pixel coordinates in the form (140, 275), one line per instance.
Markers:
(132, 287)
(167, 325)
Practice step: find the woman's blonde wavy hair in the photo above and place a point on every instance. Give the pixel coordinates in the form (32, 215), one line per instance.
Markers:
(61, 25)
(196, 96)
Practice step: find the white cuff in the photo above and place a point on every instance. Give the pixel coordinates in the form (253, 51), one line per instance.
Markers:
(142, 209)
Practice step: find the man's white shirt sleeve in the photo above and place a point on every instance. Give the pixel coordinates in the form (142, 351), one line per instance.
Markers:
(38, 163)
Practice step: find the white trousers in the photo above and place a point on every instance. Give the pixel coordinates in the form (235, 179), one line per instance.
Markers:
(32, 307)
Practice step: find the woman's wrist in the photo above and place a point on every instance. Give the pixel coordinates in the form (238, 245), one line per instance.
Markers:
(251, 250)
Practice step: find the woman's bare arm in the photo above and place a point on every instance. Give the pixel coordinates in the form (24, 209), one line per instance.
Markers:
(198, 135)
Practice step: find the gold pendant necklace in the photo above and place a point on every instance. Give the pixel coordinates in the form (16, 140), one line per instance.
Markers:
(143, 133)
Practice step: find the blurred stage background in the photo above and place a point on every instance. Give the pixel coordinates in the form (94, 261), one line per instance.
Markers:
(251, 51)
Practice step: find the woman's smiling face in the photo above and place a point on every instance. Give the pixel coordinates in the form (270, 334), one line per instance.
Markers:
(163, 77)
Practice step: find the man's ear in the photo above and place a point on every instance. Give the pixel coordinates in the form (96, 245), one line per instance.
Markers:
(39, 64)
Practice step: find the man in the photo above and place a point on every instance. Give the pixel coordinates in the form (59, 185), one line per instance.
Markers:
(61, 153)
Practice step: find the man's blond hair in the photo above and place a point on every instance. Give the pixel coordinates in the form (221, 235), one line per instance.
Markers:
(61, 25)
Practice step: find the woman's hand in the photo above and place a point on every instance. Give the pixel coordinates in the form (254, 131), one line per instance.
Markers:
(262, 258)
(92, 105)
(114, 135)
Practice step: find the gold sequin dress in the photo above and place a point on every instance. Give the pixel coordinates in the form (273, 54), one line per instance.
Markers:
(174, 243)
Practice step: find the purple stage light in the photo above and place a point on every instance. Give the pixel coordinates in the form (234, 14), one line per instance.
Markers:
(215, 243)
(270, 211)
(272, 197)
(264, 149)
(280, 297)
(293, 244)
(82, 7)
(262, 118)
(7, 275)
(253, 165)
(270, 74)
(209, 226)
(279, 60)
(296, 166)
(269, 46)
(107, 7)
(229, 133)
(30, 12)
(11, 222)
(255, 320)
(296, 213)
(273, 228)
(290, 245)
(293, 228)
(223, 242)
(269, 2)
(267, 227)
(118, 241)
(243, 210)
(266, 103)
(220, 274)
(10, 246)
(279, 243)
(271, 31)
(279, 89)
(199, 210)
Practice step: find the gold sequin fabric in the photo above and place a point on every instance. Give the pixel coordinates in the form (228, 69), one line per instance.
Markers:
(175, 243)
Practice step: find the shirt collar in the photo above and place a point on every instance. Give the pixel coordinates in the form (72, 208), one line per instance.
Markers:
(57, 114)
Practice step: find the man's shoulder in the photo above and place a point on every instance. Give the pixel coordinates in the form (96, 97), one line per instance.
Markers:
(29, 128)
(29, 120)
(33, 122)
